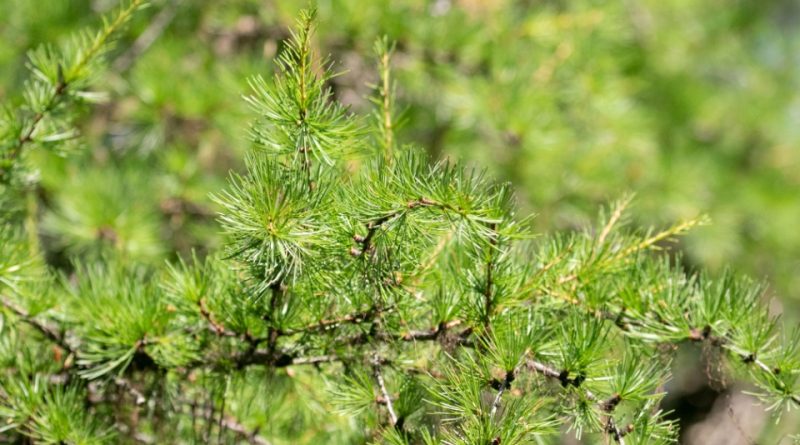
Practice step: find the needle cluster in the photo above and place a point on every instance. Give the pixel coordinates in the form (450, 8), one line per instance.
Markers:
(393, 300)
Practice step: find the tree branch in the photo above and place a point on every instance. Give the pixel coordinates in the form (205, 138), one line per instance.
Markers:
(365, 242)
(283, 360)
(705, 334)
(230, 423)
(504, 385)
(63, 83)
(605, 406)
(324, 325)
(429, 334)
(148, 37)
(215, 326)
(48, 331)
(138, 397)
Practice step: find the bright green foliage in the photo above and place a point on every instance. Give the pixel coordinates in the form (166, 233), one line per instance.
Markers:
(576, 102)
(123, 317)
(49, 413)
(299, 118)
(274, 220)
(383, 300)
(60, 81)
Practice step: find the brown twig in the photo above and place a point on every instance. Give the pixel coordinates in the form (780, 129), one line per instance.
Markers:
(62, 84)
(429, 334)
(278, 292)
(214, 325)
(252, 437)
(325, 325)
(48, 331)
(606, 406)
(283, 360)
(123, 383)
(365, 242)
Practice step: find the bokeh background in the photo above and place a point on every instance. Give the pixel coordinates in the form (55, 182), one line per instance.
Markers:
(693, 105)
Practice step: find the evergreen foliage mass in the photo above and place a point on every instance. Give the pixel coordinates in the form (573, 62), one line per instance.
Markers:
(362, 294)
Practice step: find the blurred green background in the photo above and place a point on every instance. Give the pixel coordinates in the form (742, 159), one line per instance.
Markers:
(693, 105)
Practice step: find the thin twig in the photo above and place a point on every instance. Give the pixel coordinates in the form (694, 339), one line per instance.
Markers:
(385, 92)
(504, 385)
(232, 424)
(606, 406)
(543, 369)
(694, 335)
(125, 384)
(222, 409)
(275, 301)
(48, 331)
(429, 334)
(386, 397)
(252, 437)
(677, 229)
(157, 26)
(324, 325)
(619, 209)
(617, 434)
(214, 325)
(283, 360)
(63, 83)
(488, 290)
(377, 223)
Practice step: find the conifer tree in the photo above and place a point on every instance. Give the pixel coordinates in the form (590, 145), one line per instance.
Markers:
(365, 294)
